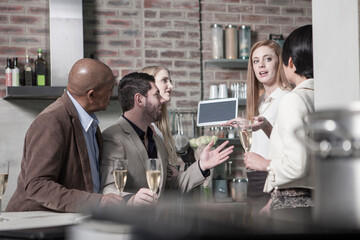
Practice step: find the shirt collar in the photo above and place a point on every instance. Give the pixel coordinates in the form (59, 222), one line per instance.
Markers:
(308, 83)
(140, 132)
(274, 95)
(86, 119)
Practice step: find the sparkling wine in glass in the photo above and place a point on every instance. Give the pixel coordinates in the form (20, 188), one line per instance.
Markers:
(4, 176)
(120, 174)
(153, 174)
(245, 134)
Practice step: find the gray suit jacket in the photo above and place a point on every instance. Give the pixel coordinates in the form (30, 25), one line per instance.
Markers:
(121, 141)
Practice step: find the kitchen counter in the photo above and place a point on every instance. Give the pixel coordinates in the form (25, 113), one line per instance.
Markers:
(37, 224)
(178, 219)
(173, 219)
(36, 219)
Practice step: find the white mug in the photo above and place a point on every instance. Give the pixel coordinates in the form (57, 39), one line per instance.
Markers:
(223, 91)
(213, 92)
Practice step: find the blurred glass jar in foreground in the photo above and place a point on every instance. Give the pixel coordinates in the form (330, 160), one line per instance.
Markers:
(238, 182)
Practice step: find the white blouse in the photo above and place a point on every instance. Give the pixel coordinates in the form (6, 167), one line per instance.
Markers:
(267, 109)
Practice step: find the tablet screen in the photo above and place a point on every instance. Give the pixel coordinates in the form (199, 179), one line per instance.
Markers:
(217, 111)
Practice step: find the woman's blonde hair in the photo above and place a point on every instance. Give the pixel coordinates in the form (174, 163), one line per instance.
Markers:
(163, 124)
(254, 87)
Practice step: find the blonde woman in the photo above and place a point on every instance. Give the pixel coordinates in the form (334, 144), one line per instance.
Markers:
(162, 127)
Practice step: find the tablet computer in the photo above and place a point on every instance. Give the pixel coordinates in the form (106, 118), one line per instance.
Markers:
(216, 111)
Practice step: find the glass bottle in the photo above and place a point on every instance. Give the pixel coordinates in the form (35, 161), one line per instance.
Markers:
(40, 69)
(15, 73)
(244, 42)
(28, 72)
(239, 189)
(8, 73)
(216, 131)
(222, 133)
(217, 43)
(239, 184)
(231, 133)
(278, 38)
(231, 42)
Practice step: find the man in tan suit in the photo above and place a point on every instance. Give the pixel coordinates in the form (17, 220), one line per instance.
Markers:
(132, 138)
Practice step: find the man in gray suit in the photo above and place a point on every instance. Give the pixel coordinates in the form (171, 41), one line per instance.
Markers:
(133, 139)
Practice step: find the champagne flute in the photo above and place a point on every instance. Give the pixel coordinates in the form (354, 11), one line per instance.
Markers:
(153, 174)
(120, 174)
(4, 176)
(245, 134)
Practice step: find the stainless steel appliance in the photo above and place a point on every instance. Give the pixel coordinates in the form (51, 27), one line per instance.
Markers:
(334, 143)
(66, 38)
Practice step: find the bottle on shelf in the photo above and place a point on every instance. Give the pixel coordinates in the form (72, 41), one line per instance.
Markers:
(28, 73)
(231, 133)
(40, 69)
(16, 74)
(8, 73)
(222, 133)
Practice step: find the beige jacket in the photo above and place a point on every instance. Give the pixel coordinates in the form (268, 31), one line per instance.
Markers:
(121, 141)
(290, 166)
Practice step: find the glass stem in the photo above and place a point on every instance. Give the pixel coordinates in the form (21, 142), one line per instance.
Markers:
(0, 206)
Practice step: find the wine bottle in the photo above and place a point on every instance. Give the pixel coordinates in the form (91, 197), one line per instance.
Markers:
(15, 74)
(8, 73)
(28, 72)
(40, 69)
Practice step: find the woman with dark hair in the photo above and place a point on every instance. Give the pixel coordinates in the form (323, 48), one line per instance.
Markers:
(288, 178)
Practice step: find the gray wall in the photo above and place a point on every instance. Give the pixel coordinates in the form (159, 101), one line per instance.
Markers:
(16, 117)
(336, 53)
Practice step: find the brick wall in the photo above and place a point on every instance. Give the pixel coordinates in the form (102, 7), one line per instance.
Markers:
(263, 16)
(130, 34)
(24, 27)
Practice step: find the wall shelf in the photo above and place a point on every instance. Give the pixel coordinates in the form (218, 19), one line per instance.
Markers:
(228, 63)
(34, 92)
(40, 93)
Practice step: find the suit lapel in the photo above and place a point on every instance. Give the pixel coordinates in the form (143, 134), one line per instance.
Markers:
(134, 139)
(80, 142)
(140, 148)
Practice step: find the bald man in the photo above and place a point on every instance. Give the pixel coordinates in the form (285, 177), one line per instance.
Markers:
(60, 165)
